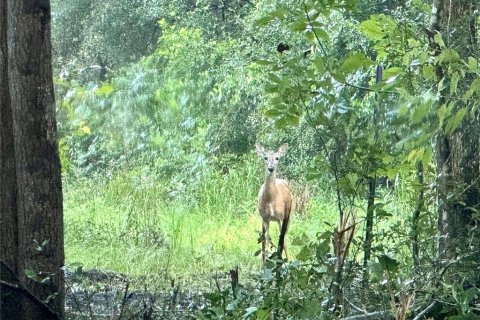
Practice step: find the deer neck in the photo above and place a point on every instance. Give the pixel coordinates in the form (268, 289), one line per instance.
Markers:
(270, 186)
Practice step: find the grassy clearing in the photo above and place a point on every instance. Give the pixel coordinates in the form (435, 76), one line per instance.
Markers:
(138, 224)
(131, 224)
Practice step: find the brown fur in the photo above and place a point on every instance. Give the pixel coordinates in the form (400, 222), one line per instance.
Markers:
(274, 199)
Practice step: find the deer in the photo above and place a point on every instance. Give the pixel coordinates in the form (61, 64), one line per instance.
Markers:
(274, 199)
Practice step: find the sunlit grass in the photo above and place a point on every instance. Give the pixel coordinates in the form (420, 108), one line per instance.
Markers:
(121, 226)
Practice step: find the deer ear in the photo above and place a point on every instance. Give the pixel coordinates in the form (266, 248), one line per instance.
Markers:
(260, 149)
(283, 149)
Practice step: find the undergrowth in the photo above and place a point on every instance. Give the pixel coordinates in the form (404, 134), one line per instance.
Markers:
(161, 229)
(136, 223)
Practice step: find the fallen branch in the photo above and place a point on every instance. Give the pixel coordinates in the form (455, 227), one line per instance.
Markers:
(371, 316)
(424, 311)
(33, 298)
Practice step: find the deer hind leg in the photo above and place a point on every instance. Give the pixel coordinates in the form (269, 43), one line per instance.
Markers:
(282, 238)
(285, 246)
(281, 241)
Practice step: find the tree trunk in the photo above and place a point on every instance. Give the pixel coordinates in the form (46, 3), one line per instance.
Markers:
(31, 199)
(416, 218)
(457, 158)
(367, 244)
(8, 217)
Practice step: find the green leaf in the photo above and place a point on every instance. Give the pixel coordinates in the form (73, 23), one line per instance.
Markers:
(352, 180)
(441, 114)
(438, 39)
(299, 26)
(355, 62)
(392, 72)
(372, 30)
(376, 269)
(311, 309)
(288, 120)
(474, 87)
(412, 155)
(454, 83)
(33, 275)
(300, 240)
(272, 113)
(304, 254)
(420, 113)
(274, 78)
(319, 64)
(472, 64)
(448, 56)
(263, 62)
(428, 72)
(454, 122)
(388, 264)
(277, 14)
(263, 21)
(427, 155)
(378, 27)
(314, 173)
(105, 90)
(262, 313)
(338, 76)
(322, 34)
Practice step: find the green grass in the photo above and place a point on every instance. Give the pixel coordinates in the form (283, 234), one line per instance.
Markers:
(138, 224)
(133, 224)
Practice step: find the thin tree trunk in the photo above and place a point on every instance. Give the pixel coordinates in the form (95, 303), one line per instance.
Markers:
(367, 246)
(442, 145)
(416, 217)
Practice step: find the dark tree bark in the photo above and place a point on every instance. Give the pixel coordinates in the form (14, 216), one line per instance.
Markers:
(8, 217)
(31, 218)
(367, 244)
(457, 154)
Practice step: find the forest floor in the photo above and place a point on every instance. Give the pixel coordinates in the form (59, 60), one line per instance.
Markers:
(97, 294)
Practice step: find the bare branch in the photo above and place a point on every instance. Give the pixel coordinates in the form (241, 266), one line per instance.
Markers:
(371, 316)
(424, 311)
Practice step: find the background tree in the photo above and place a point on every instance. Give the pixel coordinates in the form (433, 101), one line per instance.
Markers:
(106, 35)
(31, 221)
(457, 158)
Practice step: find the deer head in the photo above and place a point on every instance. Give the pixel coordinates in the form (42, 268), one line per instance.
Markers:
(270, 157)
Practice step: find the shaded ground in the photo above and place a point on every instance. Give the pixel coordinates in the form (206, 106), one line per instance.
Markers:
(96, 294)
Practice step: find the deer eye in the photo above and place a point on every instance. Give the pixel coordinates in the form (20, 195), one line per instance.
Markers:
(276, 158)
(265, 158)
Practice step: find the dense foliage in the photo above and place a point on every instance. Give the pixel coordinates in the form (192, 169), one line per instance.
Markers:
(360, 90)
